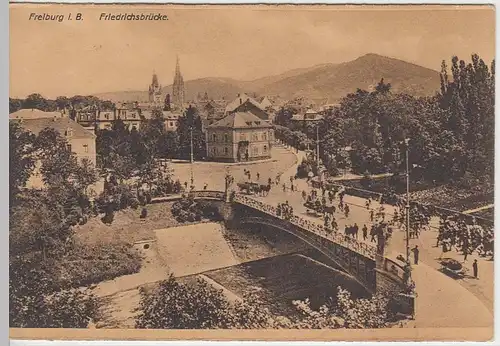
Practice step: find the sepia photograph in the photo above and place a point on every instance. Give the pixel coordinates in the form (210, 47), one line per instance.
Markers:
(251, 172)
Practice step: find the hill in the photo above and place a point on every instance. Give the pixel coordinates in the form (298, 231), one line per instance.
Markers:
(328, 82)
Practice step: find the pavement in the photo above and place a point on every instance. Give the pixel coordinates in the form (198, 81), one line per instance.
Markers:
(442, 301)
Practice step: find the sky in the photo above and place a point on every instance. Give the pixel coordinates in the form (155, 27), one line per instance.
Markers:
(246, 42)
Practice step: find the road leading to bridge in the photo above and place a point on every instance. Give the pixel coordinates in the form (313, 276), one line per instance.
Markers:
(441, 301)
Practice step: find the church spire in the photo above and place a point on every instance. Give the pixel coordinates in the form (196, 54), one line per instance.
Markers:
(178, 86)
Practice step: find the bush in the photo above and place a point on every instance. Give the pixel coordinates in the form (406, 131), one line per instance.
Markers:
(148, 197)
(134, 203)
(86, 265)
(144, 213)
(109, 217)
(141, 197)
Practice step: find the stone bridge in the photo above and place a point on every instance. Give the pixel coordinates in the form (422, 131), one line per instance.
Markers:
(361, 261)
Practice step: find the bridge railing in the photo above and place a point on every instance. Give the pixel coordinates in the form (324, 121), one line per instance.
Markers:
(352, 244)
(209, 194)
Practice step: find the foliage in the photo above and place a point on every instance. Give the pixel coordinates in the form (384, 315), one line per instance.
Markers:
(86, 264)
(21, 157)
(191, 121)
(37, 101)
(175, 305)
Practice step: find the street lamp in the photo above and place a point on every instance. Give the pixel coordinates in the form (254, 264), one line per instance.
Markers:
(191, 158)
(407, 140)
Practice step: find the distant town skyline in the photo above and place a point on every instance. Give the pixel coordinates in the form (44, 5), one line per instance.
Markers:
(242, 43)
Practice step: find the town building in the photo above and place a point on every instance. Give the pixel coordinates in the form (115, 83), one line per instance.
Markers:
(80, 141)
(310, 116)
(240, 136)
(245, 103)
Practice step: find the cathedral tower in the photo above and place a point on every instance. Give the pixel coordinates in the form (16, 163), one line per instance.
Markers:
(178, 87)
(155, 91)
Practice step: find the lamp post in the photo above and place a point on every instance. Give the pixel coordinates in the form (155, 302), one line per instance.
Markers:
(407, 140)
(317, 150)
(191, 158)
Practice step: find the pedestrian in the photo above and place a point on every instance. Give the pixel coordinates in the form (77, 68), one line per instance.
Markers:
(269, 181)
(304, 194)
(291, 179)
(291, 187)
(474, 268)
(346, 211)
(444, 249)
(258, 175)
(284, 187)
(367, 204)
(205, 186)
(415, 251)
(356, 230)
(186, 184)
(365, 232)
(371, 215)
(373, 234)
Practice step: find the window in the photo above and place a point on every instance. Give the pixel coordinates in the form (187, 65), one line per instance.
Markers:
(264, 136)
(213, 151)
(243, 137)
(214, 138)
(86, 148)
(226, 138)
(68, 132)
(265, 148)
(255, 151)
(68, 146)
(106, 116)
(226, 150)
(171, 124)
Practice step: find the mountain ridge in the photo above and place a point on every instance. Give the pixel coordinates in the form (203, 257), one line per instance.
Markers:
(330, 81)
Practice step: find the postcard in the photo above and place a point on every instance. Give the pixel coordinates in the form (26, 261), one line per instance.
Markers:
(251, 172)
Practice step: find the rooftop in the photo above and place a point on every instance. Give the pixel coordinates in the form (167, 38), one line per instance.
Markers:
(241, 120)
(34, 114)
(61, 125)
(242, 98)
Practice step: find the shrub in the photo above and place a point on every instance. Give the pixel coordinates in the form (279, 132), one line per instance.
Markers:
(141, 197)
(109, 217)
(148, 197)
(134, 203)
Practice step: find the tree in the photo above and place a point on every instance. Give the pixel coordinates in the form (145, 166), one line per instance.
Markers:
(58, 163)
(191, 121)
(179, 306)
(85, 175)
(36, 101)
(36, 225)
(21, 157)
(15, 105)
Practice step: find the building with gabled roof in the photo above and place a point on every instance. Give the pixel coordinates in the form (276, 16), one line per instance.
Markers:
(245, 103)
(240, 136)
(79, 140)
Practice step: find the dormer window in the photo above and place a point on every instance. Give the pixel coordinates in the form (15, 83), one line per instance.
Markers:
(249, 123)
(257, 123)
